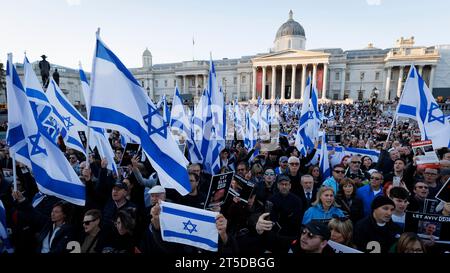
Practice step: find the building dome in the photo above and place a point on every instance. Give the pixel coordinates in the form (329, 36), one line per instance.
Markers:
(146, 52)
(290, 28)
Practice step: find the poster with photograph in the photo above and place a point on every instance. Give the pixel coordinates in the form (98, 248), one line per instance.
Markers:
(430, 227)
(83, 138)
(218, 190)
(444, 193)
(425, 154)
(131, 149)
(241, 188)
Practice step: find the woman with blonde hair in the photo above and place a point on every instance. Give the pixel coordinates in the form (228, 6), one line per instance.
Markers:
(341, 229)
(324, 207)
(409, 242)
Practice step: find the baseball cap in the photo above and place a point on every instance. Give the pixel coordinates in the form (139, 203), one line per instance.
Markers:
(157, 189)
(318, 228)
(283, 159)
(121, 185)
(283, 178)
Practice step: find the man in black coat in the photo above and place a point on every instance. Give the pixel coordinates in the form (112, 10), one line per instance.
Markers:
(377, 228)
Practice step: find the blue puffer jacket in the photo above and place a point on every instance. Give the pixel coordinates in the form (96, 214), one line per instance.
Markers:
(318, 213)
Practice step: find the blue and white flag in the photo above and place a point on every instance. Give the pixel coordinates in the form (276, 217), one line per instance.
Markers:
(178, 118)
(47, 115)
(53, 173)
(118, 102)
(97, 136)
(15, 136)
(324, 165)
(73, 121)
(417, 102)
(5, 245)
(309, 123)
(189, 226)
(238, 124)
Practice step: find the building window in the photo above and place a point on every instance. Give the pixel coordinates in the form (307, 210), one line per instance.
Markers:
(377, 76)
(235, 80)
(192, 83)
(346, 94)
(347, 76)
(243, 79)
(337, 76)
(165, 83)
(289, 44)
(335, 96)
(156, 83)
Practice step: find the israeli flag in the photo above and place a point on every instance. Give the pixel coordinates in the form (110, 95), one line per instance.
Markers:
(52, 171)
(15, 136)
(418, 103)
(73, 121)
(193, 151)
(97, 136)
(238, 121)
(189, 226)
(5, 245)
(373, 154)
(178, 118)
(119, 102)
(50, 119)
(309, 123)
(324, 165)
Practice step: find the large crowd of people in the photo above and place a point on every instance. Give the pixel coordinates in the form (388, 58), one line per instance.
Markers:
(292, 209)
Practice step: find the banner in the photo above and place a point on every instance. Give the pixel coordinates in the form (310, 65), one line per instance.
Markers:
(430, 227)
(425, 155)
(218, 190)
(241, 188)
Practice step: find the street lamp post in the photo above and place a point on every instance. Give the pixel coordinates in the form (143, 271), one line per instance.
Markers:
(360, 96)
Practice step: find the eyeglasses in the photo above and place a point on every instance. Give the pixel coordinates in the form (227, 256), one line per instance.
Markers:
(294, 164)
(308, 233)
(356, 162)
(88, 222)
(339, 171)
(270, 174)
(340, 218)
(422, 187)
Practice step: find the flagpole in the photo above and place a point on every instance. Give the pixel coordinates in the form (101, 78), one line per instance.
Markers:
(394, 118)
(14, 171)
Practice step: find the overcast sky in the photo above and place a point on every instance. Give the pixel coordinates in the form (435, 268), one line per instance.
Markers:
(64, 30)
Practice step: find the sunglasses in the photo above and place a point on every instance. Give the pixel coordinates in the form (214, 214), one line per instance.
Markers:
(356, 162)
(270, 174)
(294, 164)
(88, 222)
(337, 171)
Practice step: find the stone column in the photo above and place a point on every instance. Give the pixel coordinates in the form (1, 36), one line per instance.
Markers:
(263, 90)
(283, 81)
(254, 84)
(325, 76)
(238, 87)
(302, 90)
(196, 86)
(342, 83)
(314, 74)
(433, 70)
(400, 80)
(184, 84)
(294, 67)
(420, 70)
(388, 83)
(274, 78)
(204, 84)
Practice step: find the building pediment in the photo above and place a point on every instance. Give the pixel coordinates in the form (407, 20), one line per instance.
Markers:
(292, 57)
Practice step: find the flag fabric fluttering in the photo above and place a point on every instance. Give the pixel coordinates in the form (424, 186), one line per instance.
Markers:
(118, 102)
(188, 225)
(178, 118)
(417, 102)
(53, 173)
(97, 136)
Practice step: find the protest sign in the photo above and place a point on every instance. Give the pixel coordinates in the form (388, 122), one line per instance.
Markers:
(425, 155)
(431, 227)
(218, 190)
(131, 149)
(241, 188)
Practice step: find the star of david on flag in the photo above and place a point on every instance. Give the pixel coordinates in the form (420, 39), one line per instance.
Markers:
(189, 226)
(152, 119)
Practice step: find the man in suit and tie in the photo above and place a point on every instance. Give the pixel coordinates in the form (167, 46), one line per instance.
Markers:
(309, 191)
